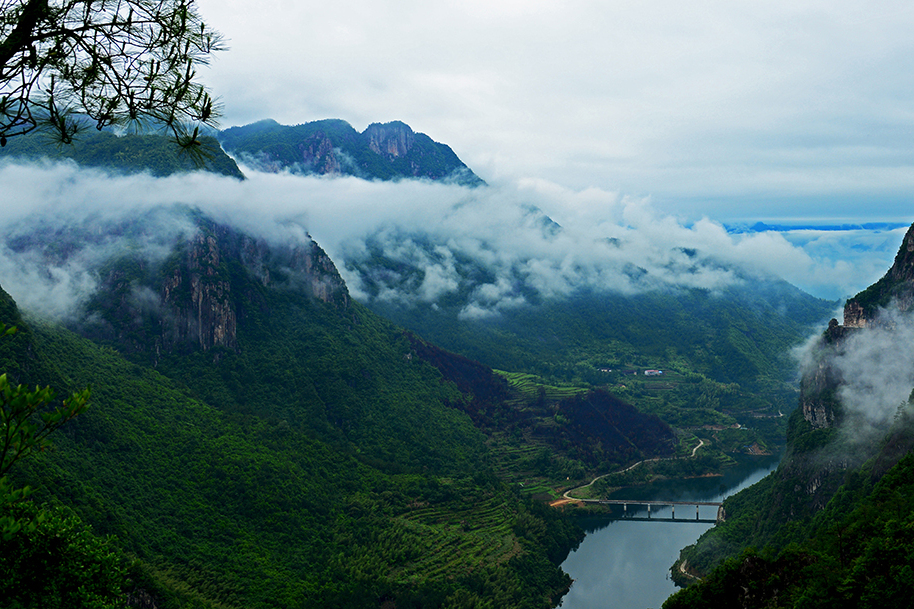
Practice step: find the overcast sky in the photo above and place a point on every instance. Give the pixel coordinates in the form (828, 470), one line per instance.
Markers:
(771, 110)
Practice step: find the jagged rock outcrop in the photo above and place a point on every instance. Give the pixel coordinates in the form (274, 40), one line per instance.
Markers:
(895, 289)
(392, 140)
(318, 153)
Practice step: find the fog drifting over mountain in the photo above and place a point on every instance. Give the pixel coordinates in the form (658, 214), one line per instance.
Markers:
(598, 239)
(875, 366)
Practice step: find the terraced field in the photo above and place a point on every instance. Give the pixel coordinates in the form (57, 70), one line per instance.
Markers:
(483, 537)
(531, 386)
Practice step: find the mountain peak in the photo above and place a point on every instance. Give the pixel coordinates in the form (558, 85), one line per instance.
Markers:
(897, 286)
(384, 151)
(394, 139)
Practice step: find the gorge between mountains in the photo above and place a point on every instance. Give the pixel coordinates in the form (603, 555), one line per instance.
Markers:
(382, 418)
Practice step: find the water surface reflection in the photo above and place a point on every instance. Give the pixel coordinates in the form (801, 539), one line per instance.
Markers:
(624, 564)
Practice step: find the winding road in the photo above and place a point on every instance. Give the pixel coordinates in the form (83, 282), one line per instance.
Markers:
(567, 495)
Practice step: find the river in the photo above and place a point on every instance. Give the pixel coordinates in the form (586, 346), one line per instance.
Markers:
(625, 564)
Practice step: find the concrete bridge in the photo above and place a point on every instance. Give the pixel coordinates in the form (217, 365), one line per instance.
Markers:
(721, 514)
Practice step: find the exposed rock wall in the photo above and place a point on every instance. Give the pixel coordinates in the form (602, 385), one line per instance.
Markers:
(895, 289)
(392, 140)
(198, 297)
(318, 153)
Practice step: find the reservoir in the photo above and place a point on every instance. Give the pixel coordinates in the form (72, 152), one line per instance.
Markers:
(624, 564)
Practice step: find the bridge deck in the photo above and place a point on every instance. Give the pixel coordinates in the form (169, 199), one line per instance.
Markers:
(646, 502)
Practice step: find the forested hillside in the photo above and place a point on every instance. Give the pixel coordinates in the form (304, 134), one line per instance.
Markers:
(284, 449)
(722, 355)
(832, 526)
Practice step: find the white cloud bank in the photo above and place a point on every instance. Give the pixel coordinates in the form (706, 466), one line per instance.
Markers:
(605, 239)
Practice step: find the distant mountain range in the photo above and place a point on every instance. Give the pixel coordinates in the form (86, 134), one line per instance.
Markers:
(761, 227)
(389, 151)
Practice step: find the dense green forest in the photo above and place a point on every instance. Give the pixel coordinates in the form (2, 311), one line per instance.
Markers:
(312, 464)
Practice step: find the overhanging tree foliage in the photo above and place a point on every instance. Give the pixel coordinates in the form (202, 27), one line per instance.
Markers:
(25, 419)
(117, 62)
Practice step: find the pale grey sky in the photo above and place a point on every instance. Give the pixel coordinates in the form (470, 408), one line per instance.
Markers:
(770, 110)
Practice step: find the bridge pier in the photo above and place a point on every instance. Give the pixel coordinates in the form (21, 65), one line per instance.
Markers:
(674, 511)
(696, 512)
(648, 511)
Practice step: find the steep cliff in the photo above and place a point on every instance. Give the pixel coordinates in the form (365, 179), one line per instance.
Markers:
(388, 151)
(194, 297)
(821, 517)
(873, 307)
(895, 289)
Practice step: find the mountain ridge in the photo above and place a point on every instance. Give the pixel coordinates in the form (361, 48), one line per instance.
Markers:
(387, 151)
(306, 458)
(826, 523)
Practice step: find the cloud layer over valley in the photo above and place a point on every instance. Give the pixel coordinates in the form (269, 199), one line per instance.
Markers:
(532, 238)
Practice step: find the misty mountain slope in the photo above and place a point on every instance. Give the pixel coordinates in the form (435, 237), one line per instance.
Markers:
(388, 151)
(590, 323)
(158, 155)
(259, 440)
(840, 492)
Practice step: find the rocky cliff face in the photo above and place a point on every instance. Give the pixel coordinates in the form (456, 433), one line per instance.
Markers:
(895, 289)
(200, 295)
(822, 382)
(391, 140)
(318, 153)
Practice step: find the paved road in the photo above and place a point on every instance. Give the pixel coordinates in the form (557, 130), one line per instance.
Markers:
(567, 495)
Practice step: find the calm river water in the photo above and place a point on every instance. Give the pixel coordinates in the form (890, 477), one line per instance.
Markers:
(624, 564)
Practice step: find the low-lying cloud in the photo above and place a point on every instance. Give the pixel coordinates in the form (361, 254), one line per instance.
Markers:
(874, 367)
(533, 237)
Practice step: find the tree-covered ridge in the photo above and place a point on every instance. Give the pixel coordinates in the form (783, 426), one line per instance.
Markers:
(129, 153)
(723, 355)
(829, 527)
(389, 151)
(311, 462)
